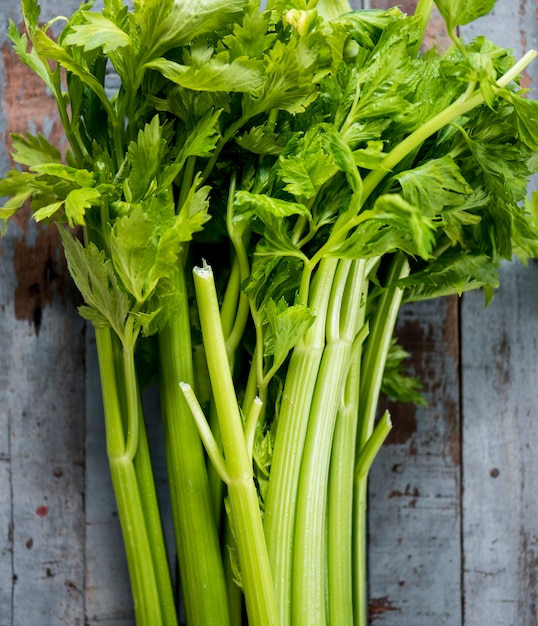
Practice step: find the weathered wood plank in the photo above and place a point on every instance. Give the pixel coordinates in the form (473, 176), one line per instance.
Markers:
(46, 411)
(500, 449)
(500, 452)
(43, 440)
(42, 395)
(414, 505)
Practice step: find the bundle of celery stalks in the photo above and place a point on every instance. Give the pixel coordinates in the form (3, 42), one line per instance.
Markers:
(244, 210)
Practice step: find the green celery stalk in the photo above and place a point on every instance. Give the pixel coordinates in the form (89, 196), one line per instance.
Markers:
(199, 556)
(360, 574)
(244, 510)
(150, 505)
(130, 508)
(310, 545)
(423, 13)
(299, 387)
(381, 332)
(341, 480)
(126, 376)
(235, 597)
(340, 509)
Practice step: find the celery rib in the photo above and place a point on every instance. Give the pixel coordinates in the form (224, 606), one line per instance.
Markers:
(199, 556)
(281, 502)
(130, 510)
(244, 510)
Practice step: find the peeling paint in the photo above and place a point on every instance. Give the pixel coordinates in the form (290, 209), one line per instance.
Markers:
(502, 360)
(404, 421)
(453, 441)
(37, 259)
(27, 104)
(528, 575)
(28, 108)
(424, 340)
(379, 606)
(41, 272)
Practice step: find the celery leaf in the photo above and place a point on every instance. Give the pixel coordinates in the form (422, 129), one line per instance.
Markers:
(460, 12)
(217, 74)
(33, 150)
(95, 278)
(286, 325)
(434, 185)
(98, 32)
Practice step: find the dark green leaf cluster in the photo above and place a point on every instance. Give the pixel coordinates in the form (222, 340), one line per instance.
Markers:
(315, 118)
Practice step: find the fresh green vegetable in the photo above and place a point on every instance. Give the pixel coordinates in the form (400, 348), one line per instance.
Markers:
(316, 170)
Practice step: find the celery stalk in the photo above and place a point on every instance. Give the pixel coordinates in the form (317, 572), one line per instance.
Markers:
(310, 549)
(126, 378)
(244, 510)
(200, 562)
(381, 332)
(281, 502)
(341, 481)
(130, 509)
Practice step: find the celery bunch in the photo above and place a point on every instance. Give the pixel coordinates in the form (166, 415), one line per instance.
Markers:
(253, 198)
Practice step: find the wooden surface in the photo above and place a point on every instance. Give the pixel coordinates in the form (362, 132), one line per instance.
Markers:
(453, 498)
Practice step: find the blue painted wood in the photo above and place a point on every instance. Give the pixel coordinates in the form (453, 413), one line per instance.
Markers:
(500, 452)
(42, 447)
(414, 505)
(500, 447)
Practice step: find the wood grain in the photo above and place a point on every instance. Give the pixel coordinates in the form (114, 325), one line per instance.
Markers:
(42, 452)
(414, 506)
(500, 452)
(500, 447)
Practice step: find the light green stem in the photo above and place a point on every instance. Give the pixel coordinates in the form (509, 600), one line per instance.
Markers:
(228, 309)
(310, 548)
(200, 561)
(365, 459)
(381, 332)
(309, 568)
(341, 483)
(137, 449)
(246, 521)
(373, 445)
(214, 453)
(210, 444)
(291, 429)
(132, 398)
(340, 517)
(235, 596)
(422, 13)
(360, 573)
(150, 503)
(130, 509)
(216, 486)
